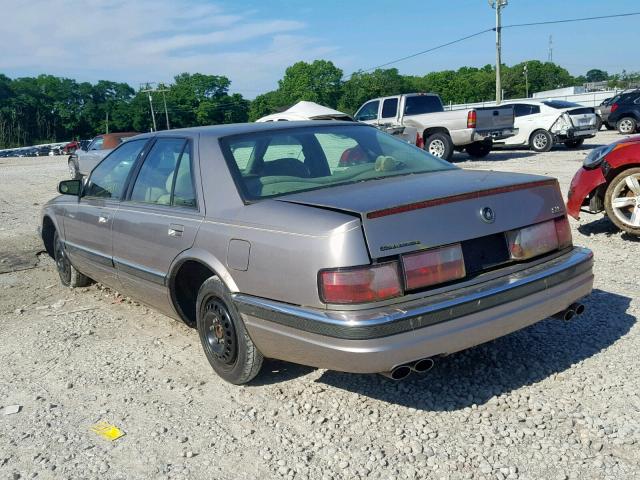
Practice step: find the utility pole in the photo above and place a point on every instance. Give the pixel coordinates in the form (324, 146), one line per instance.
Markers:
(550, 56)
(163, 89)
(526, 80)
(107, 123)
(148, 91)
(498, 5)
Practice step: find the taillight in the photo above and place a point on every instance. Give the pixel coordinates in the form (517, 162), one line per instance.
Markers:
(360, 284)
(540, 238)
(431, 267)
(472, 118)
(563, 230)
(614, 107)
(419, 140)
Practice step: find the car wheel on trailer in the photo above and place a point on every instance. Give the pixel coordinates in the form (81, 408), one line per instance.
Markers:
(69, 276)
(627, 125)
(224, 338)
(479, 149)
(622, 201)
(574, 143)
(439, 145)
(541, 141)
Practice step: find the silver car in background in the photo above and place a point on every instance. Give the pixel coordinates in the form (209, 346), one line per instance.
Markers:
(329, 244)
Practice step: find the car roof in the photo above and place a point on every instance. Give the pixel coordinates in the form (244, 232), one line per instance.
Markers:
(229, 129)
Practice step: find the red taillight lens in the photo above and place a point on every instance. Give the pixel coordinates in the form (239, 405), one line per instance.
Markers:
(537, 239)
(435, 266)
(472, 117)
(563, 230)
(361, 284)
(614, 107)
(419, 140)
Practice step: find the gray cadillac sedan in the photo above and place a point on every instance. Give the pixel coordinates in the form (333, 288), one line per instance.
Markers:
(329, 244)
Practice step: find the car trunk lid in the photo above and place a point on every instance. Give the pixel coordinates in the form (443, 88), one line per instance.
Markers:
(583, 118)
(413, 212)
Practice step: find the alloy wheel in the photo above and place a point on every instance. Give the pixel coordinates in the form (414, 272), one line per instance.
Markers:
(437, 148)
(625, 200)
(626, 126)
(540, 141)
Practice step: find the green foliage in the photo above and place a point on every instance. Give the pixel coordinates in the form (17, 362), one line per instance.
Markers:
(49, 108)
(596, 75)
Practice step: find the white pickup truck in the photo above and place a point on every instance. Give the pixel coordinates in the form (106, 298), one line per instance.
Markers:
(438, 131)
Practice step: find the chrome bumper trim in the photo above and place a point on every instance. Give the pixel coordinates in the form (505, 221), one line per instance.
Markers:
(403, 317)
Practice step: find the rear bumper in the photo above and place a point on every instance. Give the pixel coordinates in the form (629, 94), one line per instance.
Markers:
(573, 133)
(582, 185)
(470, 135)
(376, 340)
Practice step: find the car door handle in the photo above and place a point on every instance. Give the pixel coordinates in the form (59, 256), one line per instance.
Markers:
(102, 219)
(175, 230)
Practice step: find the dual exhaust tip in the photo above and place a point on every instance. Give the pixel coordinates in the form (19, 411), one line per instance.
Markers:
(570, 313)
(403, 371)
(425, 364)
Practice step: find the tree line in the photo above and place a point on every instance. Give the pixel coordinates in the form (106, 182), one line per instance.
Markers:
(47, 108)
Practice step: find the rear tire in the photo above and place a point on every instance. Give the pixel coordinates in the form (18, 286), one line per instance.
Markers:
(479, 149)
(575, 143)
(627, 126)
(541, 141)
(69, 276)
(224, 338)
(626, 214)
(439, 145)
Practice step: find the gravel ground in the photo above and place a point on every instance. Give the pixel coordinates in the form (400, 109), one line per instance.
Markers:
(555, 401)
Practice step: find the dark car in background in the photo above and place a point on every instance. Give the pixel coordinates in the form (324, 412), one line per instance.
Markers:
(625, 112)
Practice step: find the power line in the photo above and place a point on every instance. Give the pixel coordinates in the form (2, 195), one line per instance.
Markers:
(569, 20)
(423, 52)
(467, 37)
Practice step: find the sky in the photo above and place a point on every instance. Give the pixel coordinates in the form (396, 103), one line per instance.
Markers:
(253, 41)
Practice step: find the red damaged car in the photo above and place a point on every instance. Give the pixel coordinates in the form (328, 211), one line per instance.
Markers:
(609, 180)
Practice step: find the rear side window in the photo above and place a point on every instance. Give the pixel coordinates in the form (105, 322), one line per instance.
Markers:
(369, 111)
(419, 104)
(164, 178)
(96, 144)
(522, 110)
(390, 108)
(108, 178)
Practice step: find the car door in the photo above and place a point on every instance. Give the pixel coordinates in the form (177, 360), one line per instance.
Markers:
(88, 223)
(94, 154)
(368, 113)
(158, 219)
(525, 120)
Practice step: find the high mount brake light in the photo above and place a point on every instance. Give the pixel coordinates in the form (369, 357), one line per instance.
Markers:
(361, 284)
(431, 267)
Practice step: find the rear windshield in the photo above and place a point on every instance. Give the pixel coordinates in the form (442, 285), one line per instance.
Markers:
(283, 161)
(561, 104)
(419, 104)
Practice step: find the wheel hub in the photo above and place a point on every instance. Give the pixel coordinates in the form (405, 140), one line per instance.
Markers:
(437, 148)
(220, 332)
(625, 200)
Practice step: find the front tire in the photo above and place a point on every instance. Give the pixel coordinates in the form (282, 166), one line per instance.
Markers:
(224, 338)
(74, 173)
(479, 149)
(627, 126)
(575, 143)
(69, 276)
(541, 141)
(622, 201)
(439, 145)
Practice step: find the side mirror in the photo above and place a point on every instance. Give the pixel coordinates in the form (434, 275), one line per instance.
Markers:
(70, 187)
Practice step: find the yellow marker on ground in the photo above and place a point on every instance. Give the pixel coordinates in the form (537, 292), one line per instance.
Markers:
(107, 431)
